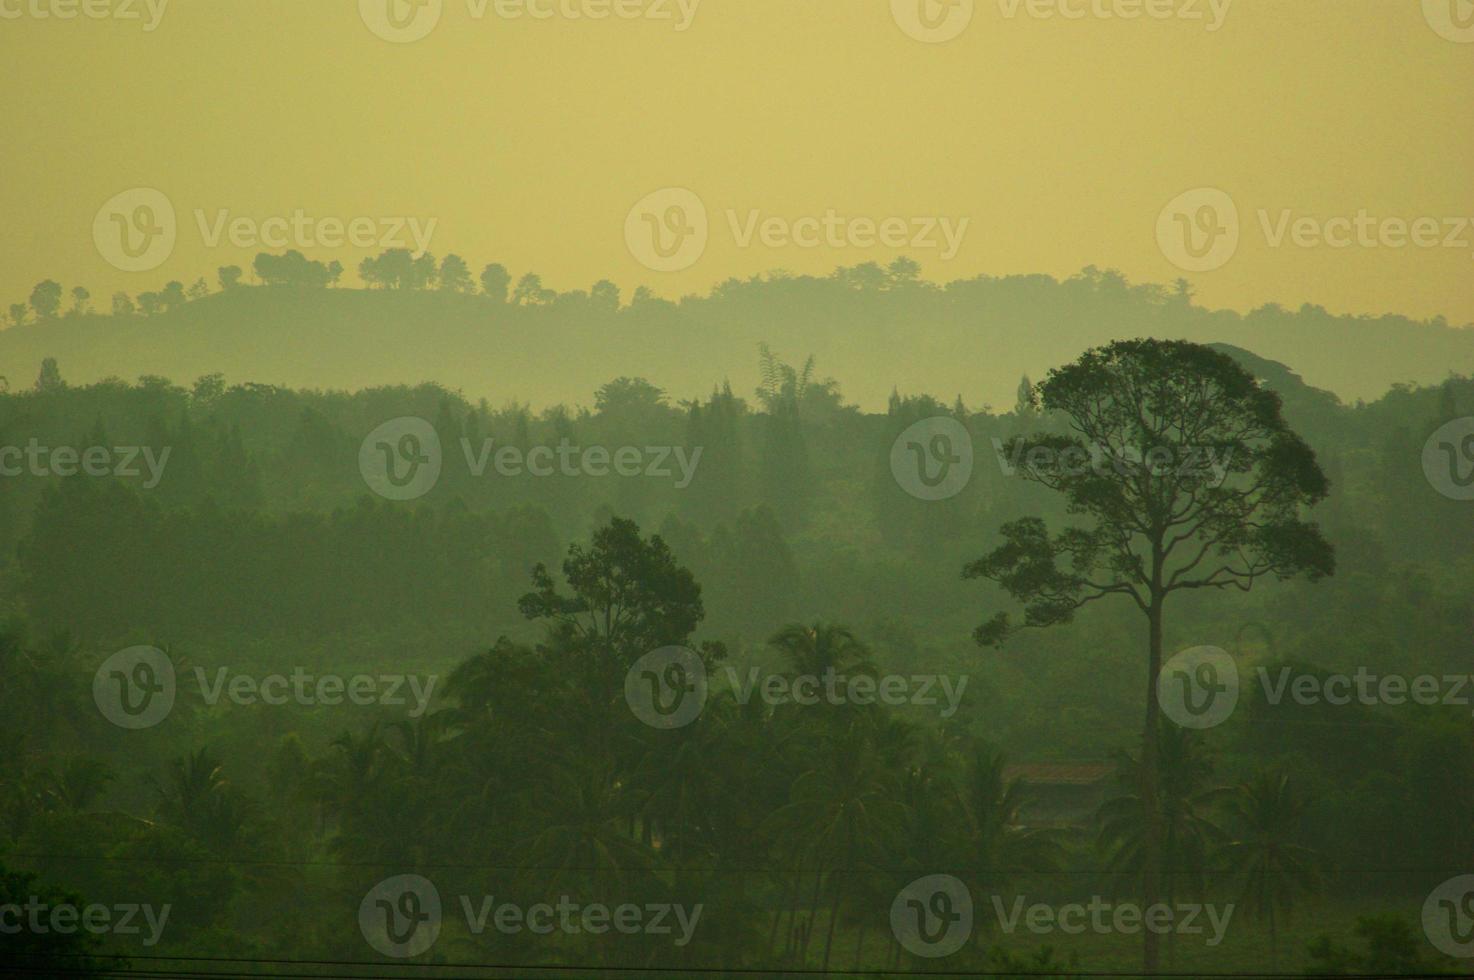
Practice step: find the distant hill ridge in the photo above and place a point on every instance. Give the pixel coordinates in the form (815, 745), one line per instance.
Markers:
(970, 337)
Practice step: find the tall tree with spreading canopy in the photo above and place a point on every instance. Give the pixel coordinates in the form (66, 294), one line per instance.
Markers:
(1187, 477)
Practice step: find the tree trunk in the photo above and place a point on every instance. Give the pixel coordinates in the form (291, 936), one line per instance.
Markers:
(1171, 887)
(833, 921)
(773, 932)
(808, 933)
(1274, 942)
(814, 915)
(844, 881)
(1151, 804)
(784, 910)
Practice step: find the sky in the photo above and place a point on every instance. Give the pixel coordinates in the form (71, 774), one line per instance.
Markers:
(1282, 151)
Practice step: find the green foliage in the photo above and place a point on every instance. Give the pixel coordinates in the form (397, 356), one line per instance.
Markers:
(291, 268)
(34, 952)
(1143, 417)
(495, 281)
(46, 299)
(399, 268)
(261, 550)
(628, 596)
(1387, 946)
(454, 275)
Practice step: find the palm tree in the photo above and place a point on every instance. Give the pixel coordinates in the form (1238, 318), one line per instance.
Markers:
(45, 679)
(20, 795)
(843, 813)
(1273, 868)
(79, 783)
(678, 790)
(1185, 799)
(346, 781)
(196, 797)
(812, 650)
(355, 766)
(999, 845)
(420, 740)
(932, 812)
(190, 782)
(584, 831)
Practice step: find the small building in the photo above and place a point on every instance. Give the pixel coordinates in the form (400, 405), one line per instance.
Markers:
(1062, 794)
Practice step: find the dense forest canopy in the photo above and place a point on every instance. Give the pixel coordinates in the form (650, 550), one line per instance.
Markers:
(233, 532)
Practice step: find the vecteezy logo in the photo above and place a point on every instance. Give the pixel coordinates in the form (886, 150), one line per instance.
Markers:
(400, 916)
(667, 230)
(1448, 917)
(134, 688)
(1198, 231)
(666, 688)
(400, 460)
(400, 21)
(932, 460)
(135, 230)
(1199, 687)
(1448, 459)
(1452, 19)
(932, 916)
(932, 21)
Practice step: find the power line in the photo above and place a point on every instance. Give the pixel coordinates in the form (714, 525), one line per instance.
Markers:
(416, 865)
(152, 971)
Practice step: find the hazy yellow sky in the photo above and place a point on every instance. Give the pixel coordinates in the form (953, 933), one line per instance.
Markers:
(528, 140)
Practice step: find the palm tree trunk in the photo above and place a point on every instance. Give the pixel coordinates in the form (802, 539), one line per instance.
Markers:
(786, 908)
(813, 914)
(1172, 934)
(1274, 942)
(1152, 863)
(833, 921)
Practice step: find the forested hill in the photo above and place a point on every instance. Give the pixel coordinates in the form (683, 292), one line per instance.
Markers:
(878, 329)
